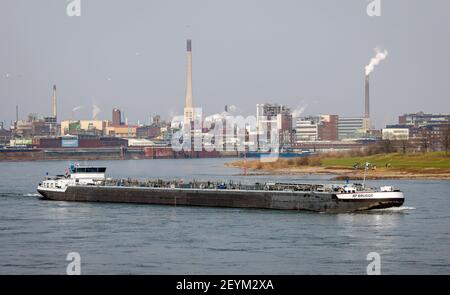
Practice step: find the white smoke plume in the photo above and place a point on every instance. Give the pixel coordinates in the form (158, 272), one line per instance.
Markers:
(77, 108)
(232, 108)
(95, 111)
(298, 111)
(379, 56)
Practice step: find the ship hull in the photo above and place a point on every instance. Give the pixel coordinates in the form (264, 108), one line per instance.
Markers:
(278, 200)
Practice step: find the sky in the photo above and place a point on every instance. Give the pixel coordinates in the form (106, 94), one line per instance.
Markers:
(306, 54)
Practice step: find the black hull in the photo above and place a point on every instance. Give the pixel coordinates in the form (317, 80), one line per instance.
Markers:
(278, 200)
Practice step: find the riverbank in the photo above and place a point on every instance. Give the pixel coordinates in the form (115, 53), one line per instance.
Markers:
(435, 165)
(103, 153)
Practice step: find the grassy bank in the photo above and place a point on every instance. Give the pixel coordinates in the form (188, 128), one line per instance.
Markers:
(393, 165)
(433, 160)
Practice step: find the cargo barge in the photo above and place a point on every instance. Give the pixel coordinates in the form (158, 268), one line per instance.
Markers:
(89, 184)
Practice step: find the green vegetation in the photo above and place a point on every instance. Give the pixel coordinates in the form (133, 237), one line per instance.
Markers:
(432, 162)
(436, 160)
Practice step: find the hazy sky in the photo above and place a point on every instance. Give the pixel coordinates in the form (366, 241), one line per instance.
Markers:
(131, 54)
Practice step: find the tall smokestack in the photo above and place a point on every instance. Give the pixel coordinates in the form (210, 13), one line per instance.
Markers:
(374, 61)
(367, 99)
(54, 101)
(188, 101)
(188, 105)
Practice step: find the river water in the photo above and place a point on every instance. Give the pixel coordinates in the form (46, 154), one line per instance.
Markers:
(36, 235)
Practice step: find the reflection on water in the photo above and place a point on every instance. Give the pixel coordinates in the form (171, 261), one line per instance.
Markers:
(126, 238)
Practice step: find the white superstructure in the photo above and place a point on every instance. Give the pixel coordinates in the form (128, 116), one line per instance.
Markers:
(75, 175)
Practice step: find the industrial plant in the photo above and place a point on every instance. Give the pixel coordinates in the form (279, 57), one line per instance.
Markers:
(50, 137)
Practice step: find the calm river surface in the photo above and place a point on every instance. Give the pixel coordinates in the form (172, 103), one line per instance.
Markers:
(36, 236)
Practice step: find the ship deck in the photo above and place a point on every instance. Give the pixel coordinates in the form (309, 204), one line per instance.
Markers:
(230, 185)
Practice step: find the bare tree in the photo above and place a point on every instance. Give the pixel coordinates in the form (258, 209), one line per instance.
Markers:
(405, 145)
(425, 140)
(445, 138)
(387, 146)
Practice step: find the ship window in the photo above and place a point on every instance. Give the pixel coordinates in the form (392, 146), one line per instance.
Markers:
(90, 170)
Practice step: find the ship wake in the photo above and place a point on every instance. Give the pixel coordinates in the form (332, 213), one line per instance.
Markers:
(395, 209)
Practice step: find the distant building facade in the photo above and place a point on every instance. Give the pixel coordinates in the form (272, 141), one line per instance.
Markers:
(307, 129)
(84, 127)
(149, 132)
(123, 131)
(269, 116)
(5, 135)
(420, 119)
(79, 141)
(352, 127)
(395, 133)
(328, 128)
(34, 126)
(427, 132)
(315, 128)
(434, 137)
(116, 117)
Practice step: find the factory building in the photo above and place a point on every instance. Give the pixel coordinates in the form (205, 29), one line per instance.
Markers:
(151, 131)
(395, 133)
(312, 128)
(352, 127)
(270, 116)
(79, 141)
(420, 119)
(328, 127)
(87, 127)
(34, 126)
(307, 129)
(123, 131)
(5, 135)
(433, 137)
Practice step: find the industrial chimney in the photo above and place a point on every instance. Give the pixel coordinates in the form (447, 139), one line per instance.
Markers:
(379, 56)
(367, 99)
(54, 102)
(189, 106)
